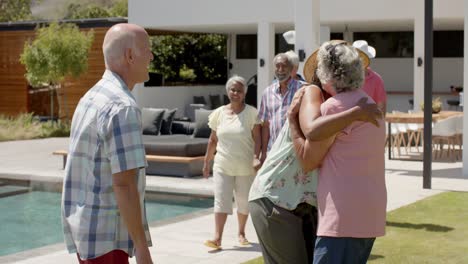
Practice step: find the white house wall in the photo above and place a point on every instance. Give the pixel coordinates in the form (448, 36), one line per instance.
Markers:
(224, 16)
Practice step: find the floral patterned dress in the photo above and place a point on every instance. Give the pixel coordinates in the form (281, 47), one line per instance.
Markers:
(281, 178)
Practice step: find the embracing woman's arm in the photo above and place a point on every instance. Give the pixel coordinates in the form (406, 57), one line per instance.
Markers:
(305, 107)
(319, 127)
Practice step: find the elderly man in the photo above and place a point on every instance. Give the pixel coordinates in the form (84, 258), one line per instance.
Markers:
(103, 193)
(275, 102)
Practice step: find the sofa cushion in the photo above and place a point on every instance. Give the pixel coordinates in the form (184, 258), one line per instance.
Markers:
(199, 100)
(167, 121)
(202, 130)
(215, 101)
(182, 127)
(151, 119)
(175, 145)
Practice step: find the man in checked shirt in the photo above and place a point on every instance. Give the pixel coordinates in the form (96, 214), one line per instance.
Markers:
(103, 212)
(275, 102)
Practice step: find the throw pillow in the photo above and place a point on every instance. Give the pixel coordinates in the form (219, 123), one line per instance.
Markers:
(199, 100)
(202, 130)
(151, 119)
(215, 101)
(167, 120)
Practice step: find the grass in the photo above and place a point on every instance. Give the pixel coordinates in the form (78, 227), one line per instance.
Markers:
(433, 230)
(25, 126)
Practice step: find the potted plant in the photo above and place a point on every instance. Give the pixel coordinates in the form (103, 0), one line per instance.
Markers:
(436, 105)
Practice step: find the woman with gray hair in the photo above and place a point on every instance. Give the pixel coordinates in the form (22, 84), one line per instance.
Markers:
(351, 192)
(236, 140)
(283, 196)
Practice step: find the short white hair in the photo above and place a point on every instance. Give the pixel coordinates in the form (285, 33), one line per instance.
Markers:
(283, 55)
(116, 42)
(293, 57)
(236, 79)
(341, 65)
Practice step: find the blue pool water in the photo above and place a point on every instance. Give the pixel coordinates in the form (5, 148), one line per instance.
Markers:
(32, 219)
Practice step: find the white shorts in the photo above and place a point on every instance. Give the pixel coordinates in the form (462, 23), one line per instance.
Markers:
(223, 191)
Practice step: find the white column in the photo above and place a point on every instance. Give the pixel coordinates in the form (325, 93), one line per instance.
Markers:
(265, 50)
(324, 34)
(418, 75)
(465, 97)
(307, 26)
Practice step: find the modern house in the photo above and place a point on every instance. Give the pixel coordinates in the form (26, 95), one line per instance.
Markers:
(395, 28)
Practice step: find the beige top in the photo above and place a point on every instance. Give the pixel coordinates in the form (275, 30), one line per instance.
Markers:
(235, 148)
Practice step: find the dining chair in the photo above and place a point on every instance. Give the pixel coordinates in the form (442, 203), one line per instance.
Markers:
(444, 132)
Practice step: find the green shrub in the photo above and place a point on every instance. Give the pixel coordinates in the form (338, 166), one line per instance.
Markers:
(25, 126)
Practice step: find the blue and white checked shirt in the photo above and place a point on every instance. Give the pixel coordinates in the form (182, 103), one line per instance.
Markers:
(274, 106)
(105, 139)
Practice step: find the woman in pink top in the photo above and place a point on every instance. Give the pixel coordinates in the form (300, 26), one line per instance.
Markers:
(351, 190)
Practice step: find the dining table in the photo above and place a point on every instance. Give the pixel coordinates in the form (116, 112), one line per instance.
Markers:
(413, 118)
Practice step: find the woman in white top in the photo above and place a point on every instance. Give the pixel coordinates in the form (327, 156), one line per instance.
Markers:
(235, 138)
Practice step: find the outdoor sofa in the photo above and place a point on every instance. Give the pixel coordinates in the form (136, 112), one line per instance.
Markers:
(173, 147)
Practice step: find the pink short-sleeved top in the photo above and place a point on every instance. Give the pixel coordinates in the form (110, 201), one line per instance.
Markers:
(374, 86)
(351, 190)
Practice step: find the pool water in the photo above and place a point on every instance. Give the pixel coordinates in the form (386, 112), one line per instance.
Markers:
(32, 219)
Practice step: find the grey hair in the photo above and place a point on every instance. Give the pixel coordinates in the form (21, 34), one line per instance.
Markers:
(115, 44)
(293, 57)
(340, 65)
(283, 55)
(236, 79)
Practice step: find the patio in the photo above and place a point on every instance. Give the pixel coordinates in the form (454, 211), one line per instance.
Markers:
(181, 240)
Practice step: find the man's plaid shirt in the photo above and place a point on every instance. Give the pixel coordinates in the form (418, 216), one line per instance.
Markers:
(274, 106)
(105, 139)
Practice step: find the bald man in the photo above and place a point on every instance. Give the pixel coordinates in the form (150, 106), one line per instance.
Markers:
(103, 214)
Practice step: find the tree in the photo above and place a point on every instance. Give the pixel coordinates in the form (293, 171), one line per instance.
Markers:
(79, 11)
(58, 51)
(203, 56)
(119, 9)
(14, 10)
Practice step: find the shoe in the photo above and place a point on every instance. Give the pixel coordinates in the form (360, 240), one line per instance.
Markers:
(212, 244)
(243, 241)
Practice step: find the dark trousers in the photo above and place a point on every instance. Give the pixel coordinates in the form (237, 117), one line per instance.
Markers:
(343, 250)
(285, 236)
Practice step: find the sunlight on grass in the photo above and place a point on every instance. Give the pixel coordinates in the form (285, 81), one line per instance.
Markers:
(433, 230)
(25, 126)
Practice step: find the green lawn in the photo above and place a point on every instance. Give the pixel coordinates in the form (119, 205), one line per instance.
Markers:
(434, 230)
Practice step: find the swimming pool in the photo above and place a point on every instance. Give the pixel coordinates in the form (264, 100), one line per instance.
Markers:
(32, 219)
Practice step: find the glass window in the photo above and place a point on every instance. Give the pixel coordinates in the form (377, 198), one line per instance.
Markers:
(389, 44)
(281, 45)
(336, 35)
(246, 47)
(448, 44)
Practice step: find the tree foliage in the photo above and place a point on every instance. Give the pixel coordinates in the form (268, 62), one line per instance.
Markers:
(90, 10)
(58, 50)
(15, 10)
(119, 9)
(202, 55)
(79, 11)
